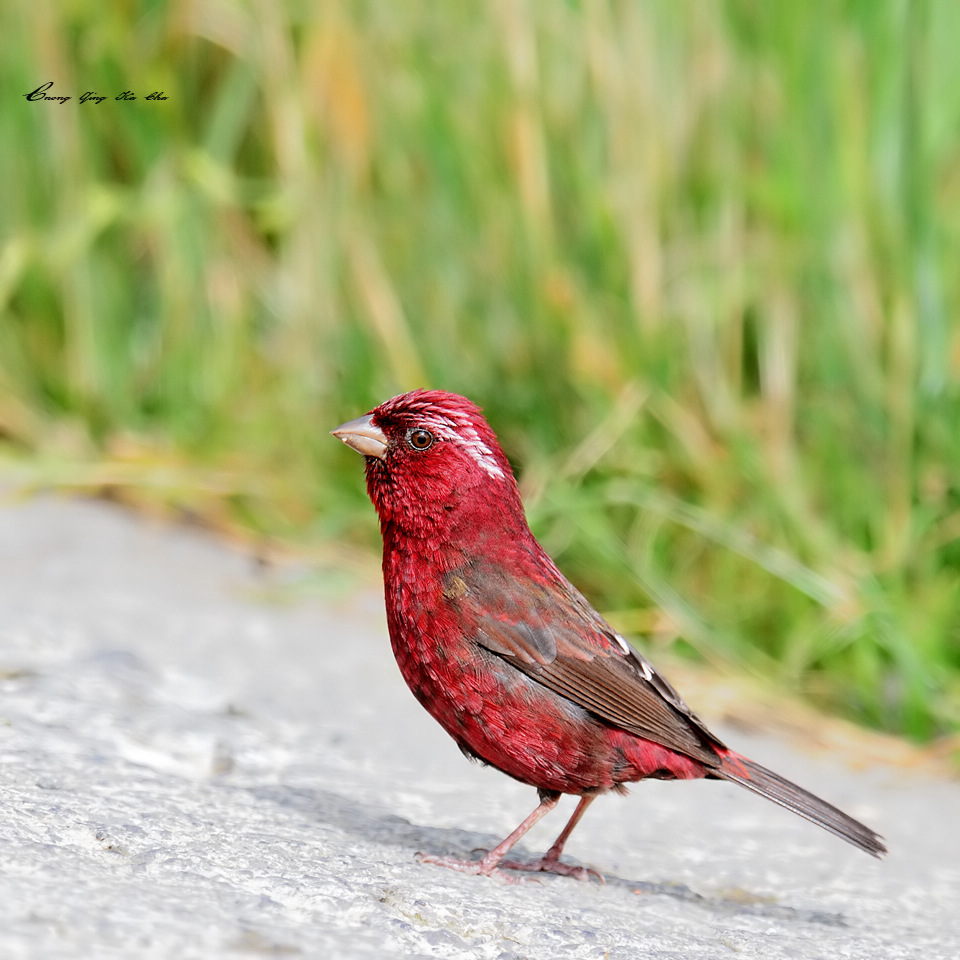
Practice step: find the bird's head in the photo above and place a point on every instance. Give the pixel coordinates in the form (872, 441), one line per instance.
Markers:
(432, 459)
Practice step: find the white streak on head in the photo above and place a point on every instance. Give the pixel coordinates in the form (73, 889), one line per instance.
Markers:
(453, 419)
(462, 432)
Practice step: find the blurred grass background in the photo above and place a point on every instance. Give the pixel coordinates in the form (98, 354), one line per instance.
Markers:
(698, 261)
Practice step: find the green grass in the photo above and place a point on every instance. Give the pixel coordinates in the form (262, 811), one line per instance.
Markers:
(698, 261)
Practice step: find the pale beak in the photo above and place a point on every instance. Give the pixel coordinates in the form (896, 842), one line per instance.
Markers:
(363, 436)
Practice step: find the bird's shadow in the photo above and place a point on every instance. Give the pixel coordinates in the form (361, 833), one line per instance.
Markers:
(373, 824)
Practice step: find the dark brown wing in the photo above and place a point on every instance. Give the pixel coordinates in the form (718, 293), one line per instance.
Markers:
(546, 628)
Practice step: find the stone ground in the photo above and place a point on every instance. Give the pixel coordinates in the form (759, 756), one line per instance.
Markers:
(188, 769)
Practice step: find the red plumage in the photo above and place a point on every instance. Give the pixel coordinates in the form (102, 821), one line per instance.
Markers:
(505, 653)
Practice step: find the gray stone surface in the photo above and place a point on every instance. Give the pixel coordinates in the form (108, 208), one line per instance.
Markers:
(189, 771)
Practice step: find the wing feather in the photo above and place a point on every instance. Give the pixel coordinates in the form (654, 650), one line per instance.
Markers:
(549, 631)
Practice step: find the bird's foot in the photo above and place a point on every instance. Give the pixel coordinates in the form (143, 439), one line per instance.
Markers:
(483, 867)
(552, 865)
(490, 867)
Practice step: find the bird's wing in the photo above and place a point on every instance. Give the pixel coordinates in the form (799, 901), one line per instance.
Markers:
(545, 628)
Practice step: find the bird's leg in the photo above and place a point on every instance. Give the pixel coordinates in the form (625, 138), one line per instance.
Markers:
(488, 864)
(550, 861)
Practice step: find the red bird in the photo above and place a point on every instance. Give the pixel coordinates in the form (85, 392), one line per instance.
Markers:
(506, 654)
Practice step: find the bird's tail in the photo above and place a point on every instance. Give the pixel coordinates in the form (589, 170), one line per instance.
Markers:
(776, 788)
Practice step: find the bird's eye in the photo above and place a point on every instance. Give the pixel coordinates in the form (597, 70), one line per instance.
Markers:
(420, 439)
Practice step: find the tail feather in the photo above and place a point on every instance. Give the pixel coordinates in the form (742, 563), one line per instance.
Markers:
(780, 790)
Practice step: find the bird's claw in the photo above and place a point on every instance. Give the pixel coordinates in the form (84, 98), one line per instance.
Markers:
(549, 865)
(485, 868)
(473, 868)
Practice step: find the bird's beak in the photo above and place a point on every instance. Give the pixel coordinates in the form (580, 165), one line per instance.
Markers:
(363, 436)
